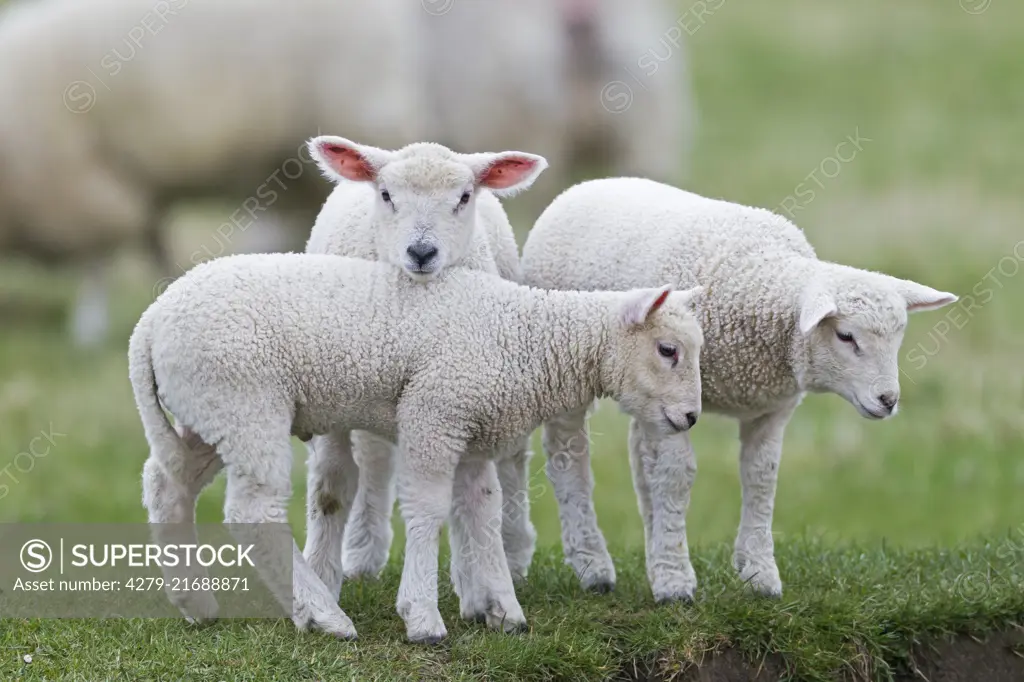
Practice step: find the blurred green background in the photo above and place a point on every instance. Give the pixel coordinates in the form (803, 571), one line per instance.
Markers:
(936, 94)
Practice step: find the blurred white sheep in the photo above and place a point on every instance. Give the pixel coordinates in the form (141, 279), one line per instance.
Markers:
(151, 102)
(143, 103)
(597, 86)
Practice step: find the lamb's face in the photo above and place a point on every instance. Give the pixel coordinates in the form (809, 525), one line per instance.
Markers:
(426, 215)
(854, 328)
(425, 210)
(661, 384)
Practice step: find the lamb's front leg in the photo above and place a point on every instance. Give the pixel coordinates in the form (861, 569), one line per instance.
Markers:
(331, 487)
(664, 469)
(760, 453)
(517, 532)
(426, 472)
(567, 444)
(479, 565)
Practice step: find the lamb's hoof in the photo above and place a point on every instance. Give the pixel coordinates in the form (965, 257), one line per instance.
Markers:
(199, 608)
(423, 623)
(331, 620)
(515, 628)
(428, 640)
(519, 563)
(761, 576)
(364, 563)
(507, 617)
(599, 587)
(685, 598)
(677, 585)
(519, 574)
(596, 574)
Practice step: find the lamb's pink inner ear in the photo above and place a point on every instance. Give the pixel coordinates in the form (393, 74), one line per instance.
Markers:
(658, 302)
(347, 162)
(507, 172)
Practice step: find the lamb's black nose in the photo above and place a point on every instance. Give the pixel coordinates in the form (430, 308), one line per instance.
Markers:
(888, 400)
(691, 418)
(421, 253)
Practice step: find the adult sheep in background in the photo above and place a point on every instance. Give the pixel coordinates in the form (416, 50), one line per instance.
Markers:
(778, 323)
(597, 86)
(147, 103)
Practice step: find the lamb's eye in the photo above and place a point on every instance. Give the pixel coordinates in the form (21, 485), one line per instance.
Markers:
(464, 199)
(667, 350)
(386, 196)
(845, 337)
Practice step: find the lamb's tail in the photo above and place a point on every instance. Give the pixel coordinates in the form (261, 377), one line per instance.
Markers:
(164, 440)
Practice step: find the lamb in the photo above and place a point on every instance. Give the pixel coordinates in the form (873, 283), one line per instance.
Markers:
(146, 122)
(246, 351)
(779, 323)
(356, 221)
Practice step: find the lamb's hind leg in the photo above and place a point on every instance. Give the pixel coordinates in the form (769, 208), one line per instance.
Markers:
(368, 534)
(567, 444)
(760, 453)
(517, 532)
(171, 484)
(332, 480)
(664, 469)
(479, 566)
(259, 486)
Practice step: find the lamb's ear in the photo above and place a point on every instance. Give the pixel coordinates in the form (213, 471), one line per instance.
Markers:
(341, 159)
(642, 303)
(920, 298)
(505, 173)
(817, 304)
(689, 297)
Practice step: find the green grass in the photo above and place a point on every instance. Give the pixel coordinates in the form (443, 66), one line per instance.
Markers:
(863, 509)
(855, 611)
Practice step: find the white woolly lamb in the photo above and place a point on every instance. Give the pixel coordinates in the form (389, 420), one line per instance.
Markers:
(246, 351)
(778, 323)
(436, 199)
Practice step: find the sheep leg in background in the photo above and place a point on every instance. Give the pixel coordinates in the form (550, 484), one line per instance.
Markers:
(479, 568)
(332, 480)
(259, 466)
(519, 537)
(170, 488)
(760, 452)
(664, 469)
(90, 316)
(155, 242)
(368, 534)
(567, 444)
